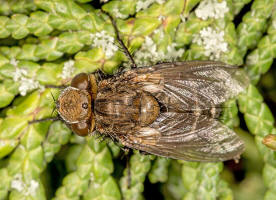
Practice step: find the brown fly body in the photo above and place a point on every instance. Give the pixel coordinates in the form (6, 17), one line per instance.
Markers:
(169, 109)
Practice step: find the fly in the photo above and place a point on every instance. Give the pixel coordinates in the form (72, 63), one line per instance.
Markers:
(168, 109)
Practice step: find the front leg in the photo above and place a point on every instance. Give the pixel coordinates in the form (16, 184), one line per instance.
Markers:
(144, 153)
(44, 120)
(125, 49)
(61, 87)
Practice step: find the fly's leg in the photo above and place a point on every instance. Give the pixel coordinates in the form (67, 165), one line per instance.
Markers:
(56, 86)
(44, 120)
(185, 3)
(101, 75)
(127, 53)
(183, 17)
(144, 153)
(126, 154)
(128, 172)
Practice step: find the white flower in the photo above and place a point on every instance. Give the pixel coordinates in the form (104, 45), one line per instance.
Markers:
(172, 53)
(148, 53)
(14, 62)
(212, 41)
(143, 4)
(160, 1)
(17, 183)
(27, 189)
(159, 31)
(19, 73)
(274, 23)
(68, 69)
(211, 9)
(32, 187)
(183, 18)
(161, 18)
(105, 41)
(4, 142)
(92, 177)
(25, 83)
(118, 14)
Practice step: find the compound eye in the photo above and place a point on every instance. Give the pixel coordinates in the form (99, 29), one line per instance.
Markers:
(80, 81)
(81, 128)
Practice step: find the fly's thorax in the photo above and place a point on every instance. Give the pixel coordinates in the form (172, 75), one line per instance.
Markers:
(127, 108)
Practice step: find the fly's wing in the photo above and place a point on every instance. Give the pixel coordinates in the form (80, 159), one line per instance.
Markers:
(193, 85)
(187, 90)
(187, 137)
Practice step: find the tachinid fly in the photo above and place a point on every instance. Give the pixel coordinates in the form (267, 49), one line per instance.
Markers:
(169, 109)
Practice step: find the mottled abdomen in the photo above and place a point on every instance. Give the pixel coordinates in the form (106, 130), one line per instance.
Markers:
(128, 109)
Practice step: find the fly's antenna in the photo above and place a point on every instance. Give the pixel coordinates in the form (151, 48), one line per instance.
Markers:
(127, 53)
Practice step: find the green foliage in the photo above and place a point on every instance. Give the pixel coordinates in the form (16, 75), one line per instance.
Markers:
(202, 180)
(159, 170)
(254, 24)
(49, 41)
(132, 187)
(260, 59)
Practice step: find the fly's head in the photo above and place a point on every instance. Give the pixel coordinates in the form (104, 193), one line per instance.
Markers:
(75, 104)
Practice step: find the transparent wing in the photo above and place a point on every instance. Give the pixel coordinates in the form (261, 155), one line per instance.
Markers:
(192, 85)
(191, 92)
(187, 137)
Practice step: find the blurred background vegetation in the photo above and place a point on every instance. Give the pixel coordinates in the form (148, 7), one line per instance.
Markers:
(49, 41)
